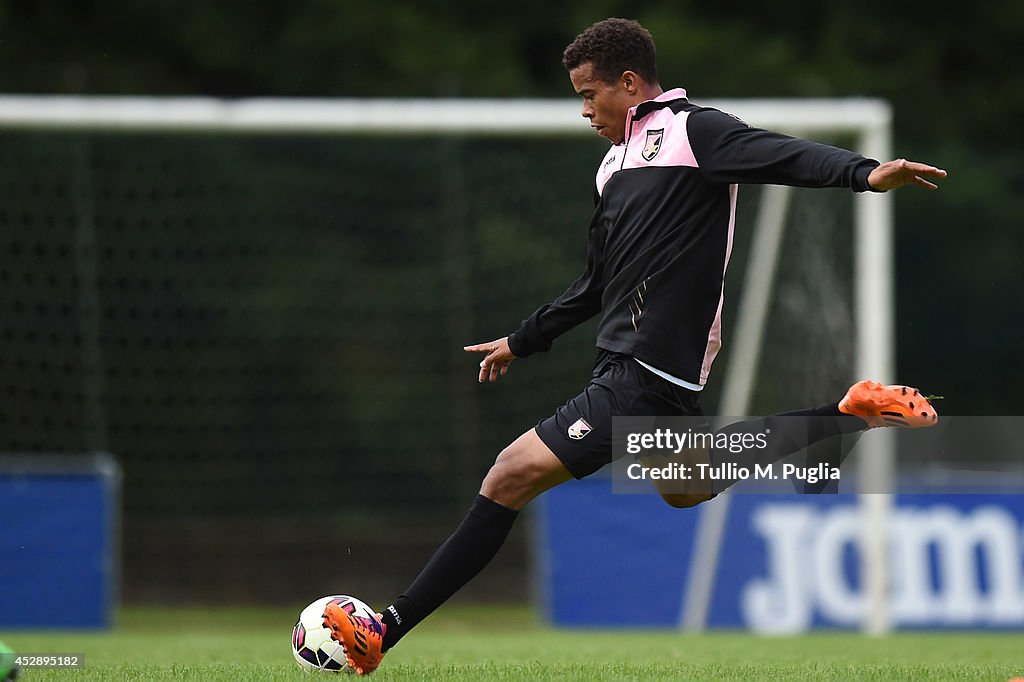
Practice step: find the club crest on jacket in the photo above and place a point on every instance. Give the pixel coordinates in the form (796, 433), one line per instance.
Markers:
(654, 138)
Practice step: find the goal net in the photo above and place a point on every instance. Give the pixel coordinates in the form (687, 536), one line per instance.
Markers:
(260, 303)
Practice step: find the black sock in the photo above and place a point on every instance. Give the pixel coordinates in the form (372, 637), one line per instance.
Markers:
(820, 423)
(464, 554)
(792, 432)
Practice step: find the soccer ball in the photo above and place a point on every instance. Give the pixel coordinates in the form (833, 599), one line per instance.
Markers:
(312, 645)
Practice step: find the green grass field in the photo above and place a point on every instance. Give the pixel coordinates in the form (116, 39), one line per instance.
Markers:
(509, 644)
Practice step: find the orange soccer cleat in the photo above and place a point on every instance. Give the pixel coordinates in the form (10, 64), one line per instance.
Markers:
(880, 405)
(360, 637)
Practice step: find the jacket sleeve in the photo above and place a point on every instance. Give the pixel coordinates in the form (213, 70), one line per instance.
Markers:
(577, 304)
(728, 150)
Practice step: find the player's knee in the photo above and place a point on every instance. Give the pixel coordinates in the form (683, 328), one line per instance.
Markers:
(685, 500)
(511, 479)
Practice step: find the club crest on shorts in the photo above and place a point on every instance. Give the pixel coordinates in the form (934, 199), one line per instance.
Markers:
(653, 146)
(579, 428)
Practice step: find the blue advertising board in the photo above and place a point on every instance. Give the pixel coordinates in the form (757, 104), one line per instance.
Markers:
(57, 541)
(787, 562)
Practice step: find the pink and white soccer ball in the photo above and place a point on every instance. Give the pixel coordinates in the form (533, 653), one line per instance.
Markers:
(312, 645)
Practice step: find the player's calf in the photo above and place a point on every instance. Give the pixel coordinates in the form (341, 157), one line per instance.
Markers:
(680, 492)
(685, 501)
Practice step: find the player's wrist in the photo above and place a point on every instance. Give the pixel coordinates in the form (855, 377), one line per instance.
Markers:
(862, 181)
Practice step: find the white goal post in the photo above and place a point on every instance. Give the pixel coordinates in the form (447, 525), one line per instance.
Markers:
(869, 120)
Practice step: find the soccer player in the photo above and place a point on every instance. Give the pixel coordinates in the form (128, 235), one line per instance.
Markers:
(659, 243)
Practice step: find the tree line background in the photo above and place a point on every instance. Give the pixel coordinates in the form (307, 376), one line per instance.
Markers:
(951, 74)
(244, 365)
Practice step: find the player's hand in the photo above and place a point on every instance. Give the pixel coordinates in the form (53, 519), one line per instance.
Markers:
(893, 174)
(497, 360)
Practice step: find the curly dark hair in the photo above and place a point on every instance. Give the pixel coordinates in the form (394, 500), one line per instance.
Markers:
(613, 46)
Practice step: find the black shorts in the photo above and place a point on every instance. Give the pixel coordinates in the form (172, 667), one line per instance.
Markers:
(580, 432)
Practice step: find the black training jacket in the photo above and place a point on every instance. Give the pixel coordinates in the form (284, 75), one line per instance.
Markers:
(661, 234)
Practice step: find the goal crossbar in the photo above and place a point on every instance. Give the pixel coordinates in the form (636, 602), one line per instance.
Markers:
(382, 116)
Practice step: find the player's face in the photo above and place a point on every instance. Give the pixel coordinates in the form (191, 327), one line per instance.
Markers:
(604, 104)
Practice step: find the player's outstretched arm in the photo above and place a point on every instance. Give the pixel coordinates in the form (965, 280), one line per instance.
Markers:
(893, 174)
(497, 360)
